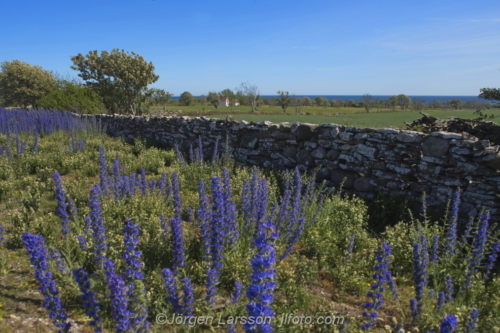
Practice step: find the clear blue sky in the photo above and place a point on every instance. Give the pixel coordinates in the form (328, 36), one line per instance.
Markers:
(324, 47)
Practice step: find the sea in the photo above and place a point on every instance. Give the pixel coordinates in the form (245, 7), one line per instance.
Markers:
(357, 98)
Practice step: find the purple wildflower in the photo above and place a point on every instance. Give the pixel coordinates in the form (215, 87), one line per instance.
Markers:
(448, 324)
(88, 298)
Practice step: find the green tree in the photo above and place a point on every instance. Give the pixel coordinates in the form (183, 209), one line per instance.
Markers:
(403, 101)
(22, 84)
(72, 96)
(393, 102)
(214, 99)
(321, 101)
(456, 104)
(119, 77)
(186, 98)
(160, 97)
(284, 100)
(306, 101)
(490, 94)
(367, 102)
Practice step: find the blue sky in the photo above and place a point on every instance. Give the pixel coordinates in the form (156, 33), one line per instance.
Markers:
(305, 47)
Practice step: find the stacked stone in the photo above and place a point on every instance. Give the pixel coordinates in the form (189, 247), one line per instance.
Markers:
(365, 161)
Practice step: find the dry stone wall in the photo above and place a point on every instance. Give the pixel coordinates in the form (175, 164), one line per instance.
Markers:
(368, 160)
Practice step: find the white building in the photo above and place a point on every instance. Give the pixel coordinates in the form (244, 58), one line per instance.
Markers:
(224, 101)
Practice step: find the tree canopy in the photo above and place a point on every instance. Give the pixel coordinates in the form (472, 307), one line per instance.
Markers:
(490, 94)
(22, 84)
(284, 100)
(119, 77)
(186, 98)
(74, 97)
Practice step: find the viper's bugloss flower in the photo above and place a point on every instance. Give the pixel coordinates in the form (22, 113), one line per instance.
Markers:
(468, 230)
(187, 298)
(419, 275)
(477, 252)
(163, 183)
(62, 205)
(58, 259)
(82, 242)
(2, 235)
(171, 286)
(119, 303)
(72, 207)
(492, 258)
(177, 195)
(235, 296)
(39, 259)
(152, 186)
(448, 324)
(350, 247)
(204, 219)
(380, 276)
(133, 278)
(164, 227)
(143, 183)
(179, 156)
(179, 256)
(413, 308)
(103, 171)
(212, 279)
(435, 252)
(97, 225)
(260, 291)
(448, 291)
(88, 298)
(451, 225)
(217, 229)
(230, 224)
(440, 300)
(132, 257)
(284, 213)
(471, 325)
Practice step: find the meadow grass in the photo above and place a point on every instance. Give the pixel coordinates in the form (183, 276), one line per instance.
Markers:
(295, 248)
(373, 119)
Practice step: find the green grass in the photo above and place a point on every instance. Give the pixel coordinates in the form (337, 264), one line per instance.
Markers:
(360, 120)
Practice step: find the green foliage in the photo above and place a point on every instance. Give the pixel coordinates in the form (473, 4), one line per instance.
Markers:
(186, 98)
(119, 77)
(160, 97)
(70, 96)
(491, 94)
(284, 100)
(22, 84)
(213, 99)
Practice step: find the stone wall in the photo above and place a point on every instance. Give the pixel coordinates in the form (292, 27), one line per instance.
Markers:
(371, 160)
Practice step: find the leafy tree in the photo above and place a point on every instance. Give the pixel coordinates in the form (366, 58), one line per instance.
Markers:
(284, 100)
(160, 97)
(393, 101)
(306, 101)
(22, 84)
(119, 77)
(403, 101)
(72, 96)
(367, 102)
(436, 105)
(186, 98)
(297, 103)
(418, 104)
(230, 95)
(203, 99)
(456, 104)
(321, 101)
(490, 94)
(251, 92)
(214, 99)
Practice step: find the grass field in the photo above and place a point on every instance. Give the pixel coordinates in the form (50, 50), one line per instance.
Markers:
(349, 116)
(372, 120)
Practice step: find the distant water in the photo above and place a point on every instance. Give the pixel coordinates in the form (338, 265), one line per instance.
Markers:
(358, 98)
